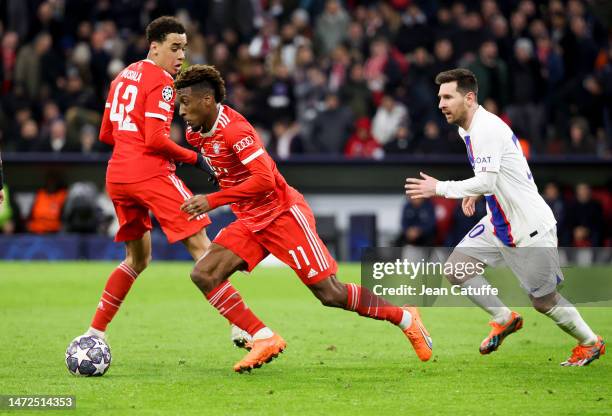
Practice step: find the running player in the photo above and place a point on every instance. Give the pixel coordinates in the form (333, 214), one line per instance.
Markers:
(272, 217)
(141, 172)
(517, 217)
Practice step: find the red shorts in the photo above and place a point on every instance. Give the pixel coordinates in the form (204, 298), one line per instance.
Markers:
(291, 237)
(163, 195)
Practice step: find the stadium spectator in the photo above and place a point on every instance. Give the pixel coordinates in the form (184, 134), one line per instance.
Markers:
(492, 74)
(29, 139)
(332, 127)
(362, 144)
(287, 139)
(430, 142)
(355, 92)
(88, 139)
(56, 141)
(331, 26)
(29, 65)
(10, 42)
(418, 223)
(554, 199)
(585, 218)
(580, 139)
(526, 91)
(389, 116)
(402, 143)
(46, 213)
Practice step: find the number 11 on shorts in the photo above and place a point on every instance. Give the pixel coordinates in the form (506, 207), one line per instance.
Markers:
(295, 259)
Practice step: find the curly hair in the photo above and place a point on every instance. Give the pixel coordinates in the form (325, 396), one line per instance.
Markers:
(159, 28)
(202, 77)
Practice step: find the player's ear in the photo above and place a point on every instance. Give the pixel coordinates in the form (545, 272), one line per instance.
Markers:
(154, 47)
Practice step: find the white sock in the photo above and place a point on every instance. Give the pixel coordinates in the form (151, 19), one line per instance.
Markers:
(96, 333)
(263, 333)
(567, 317)
(406, 321)
(489, 303)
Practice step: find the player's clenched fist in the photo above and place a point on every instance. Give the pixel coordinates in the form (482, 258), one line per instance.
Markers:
(196, 205)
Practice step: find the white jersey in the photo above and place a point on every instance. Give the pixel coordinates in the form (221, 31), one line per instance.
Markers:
(518, 213)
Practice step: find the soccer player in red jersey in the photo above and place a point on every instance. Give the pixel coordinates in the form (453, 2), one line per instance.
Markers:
(272, 217)
(141, 172)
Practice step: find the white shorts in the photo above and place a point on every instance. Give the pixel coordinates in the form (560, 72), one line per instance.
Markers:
(536, 266)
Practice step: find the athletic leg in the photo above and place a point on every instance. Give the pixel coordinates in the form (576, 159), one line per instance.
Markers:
(566, 316)
(138, 257)
(197, 244)
(477, 249)
(211, 274)
(293, 238)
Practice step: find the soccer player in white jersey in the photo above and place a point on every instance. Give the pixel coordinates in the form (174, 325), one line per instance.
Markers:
(519, 228)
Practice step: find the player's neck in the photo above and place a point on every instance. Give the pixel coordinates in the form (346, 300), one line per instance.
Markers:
(152, 59)
(469, 117)
(210, 123)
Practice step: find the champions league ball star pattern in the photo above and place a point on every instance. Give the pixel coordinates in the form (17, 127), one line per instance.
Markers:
(88, 356)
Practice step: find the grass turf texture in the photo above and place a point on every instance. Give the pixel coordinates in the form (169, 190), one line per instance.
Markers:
(172, 354)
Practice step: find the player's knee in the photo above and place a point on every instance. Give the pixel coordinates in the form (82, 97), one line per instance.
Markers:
(545, 303)
(330, 292)
(205, 278)
(138, 264)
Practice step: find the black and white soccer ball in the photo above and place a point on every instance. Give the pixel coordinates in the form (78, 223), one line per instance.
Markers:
(88, 356)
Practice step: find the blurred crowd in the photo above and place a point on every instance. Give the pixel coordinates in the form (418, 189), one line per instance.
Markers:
(352, 78)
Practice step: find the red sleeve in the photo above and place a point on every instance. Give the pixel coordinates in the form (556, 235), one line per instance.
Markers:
(106, 129)
(260, 181)
(159, 110)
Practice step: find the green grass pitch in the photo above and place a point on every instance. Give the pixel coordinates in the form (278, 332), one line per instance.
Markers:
(172, 354)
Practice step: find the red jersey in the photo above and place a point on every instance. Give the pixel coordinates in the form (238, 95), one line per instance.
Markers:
(136, 121)
(247, 175)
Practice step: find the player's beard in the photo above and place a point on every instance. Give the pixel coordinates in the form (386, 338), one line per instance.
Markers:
(460, 118)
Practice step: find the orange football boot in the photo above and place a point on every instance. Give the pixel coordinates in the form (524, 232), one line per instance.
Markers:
(583, 354)
(418, 335)
(262, 351)
(500, 332)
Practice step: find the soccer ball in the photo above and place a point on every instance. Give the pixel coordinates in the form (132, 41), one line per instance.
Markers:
(88, 356)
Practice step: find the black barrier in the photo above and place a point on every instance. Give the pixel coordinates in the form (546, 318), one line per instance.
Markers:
(316, 173)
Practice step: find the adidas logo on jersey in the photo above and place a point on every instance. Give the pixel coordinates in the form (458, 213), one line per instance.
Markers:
(312, 273)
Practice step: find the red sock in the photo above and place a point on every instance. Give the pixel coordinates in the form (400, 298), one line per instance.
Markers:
(366, 303)
(229, 303)
(118, 285)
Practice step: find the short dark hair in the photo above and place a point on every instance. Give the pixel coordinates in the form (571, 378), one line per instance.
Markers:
(466, 80)
(159, 28)
(202, 77)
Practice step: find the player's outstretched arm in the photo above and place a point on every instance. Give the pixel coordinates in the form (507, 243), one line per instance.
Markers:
(481, 184)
